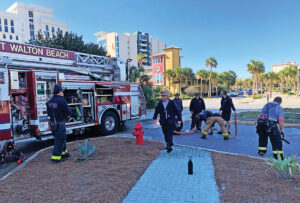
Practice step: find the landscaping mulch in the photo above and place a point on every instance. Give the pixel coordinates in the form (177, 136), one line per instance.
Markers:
(113, 170)
(246, 179)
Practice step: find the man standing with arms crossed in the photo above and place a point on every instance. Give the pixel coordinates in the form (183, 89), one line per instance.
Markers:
(225, 110)
(167, 111)
(58, 110)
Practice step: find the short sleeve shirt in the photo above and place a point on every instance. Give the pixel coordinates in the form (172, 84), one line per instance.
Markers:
(275, 111)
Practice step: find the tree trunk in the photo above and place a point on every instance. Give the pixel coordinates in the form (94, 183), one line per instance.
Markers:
(201, 90)
(256, 84)
(261, 87)
(286, 84)
(253, 88)
(271, 87)
(210, 82)
(295, 86)
(180, 86)
(169, 85)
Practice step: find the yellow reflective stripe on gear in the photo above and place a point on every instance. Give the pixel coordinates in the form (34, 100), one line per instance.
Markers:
(56, 157)
(64, 152)
(277, 152)
(262, 148)
(225, 134)
(205, 133)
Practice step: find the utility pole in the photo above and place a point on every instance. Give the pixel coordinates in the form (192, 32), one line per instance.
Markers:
(127, 71)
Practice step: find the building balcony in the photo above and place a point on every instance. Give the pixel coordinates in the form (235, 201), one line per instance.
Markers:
(143, 50)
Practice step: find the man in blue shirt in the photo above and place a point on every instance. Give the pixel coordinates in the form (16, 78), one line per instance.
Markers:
(58, 110)
(271, 115)
(167, 111)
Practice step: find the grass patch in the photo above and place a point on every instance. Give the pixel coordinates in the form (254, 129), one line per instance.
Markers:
(291, 116)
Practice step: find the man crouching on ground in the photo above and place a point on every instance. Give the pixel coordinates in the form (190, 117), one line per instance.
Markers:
(211, 120)
(167, 111)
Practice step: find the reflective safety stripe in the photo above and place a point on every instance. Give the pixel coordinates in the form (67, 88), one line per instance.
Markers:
(225, 134)
(205, 133)
(277, 152)
(262, 148)
(56, 157)
(64, 152)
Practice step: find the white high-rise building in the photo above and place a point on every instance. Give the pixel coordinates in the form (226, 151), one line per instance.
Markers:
(278, 67)
(128, 46)
(21, 22)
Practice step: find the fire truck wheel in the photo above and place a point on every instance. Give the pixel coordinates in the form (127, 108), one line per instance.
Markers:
(109, 123)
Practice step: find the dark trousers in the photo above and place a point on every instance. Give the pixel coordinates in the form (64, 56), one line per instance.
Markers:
(194, 120)
(264, 131)
(178, 127)
(59, 133)
(168, 129)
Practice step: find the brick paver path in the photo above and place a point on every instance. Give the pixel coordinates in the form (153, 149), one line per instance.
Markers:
(166, 180)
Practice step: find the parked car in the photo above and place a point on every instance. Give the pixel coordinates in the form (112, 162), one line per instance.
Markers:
(232, 93)
(249, 92)
(241, 91)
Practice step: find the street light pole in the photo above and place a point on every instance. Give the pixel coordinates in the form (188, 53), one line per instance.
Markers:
(127, 71)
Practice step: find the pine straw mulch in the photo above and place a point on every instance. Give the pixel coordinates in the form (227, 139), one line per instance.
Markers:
(116, 166)
(245, 179)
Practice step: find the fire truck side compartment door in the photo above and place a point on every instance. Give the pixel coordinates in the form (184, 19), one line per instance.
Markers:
(134, 106)
(5, 129)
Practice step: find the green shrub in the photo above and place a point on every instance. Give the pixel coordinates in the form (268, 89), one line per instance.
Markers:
(85, 151)
(285, 91)
(291, 93)
(257, 96)
(285, 168)
(152, 103)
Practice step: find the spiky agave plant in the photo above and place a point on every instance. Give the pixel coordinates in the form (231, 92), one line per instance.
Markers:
(85, 150)
(285, 168)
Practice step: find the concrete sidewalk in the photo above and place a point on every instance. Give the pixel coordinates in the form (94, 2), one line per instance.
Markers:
(166, 179)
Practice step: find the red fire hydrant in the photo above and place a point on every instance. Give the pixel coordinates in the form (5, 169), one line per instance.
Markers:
(138, 132)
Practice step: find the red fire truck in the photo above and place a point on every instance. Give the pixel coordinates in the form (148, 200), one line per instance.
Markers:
(93, 86)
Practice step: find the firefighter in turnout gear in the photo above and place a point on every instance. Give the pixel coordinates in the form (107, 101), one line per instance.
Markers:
(211, 120)
(271, 115)
(59, 111)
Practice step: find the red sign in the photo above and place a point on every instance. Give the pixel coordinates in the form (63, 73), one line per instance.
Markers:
(35, 50)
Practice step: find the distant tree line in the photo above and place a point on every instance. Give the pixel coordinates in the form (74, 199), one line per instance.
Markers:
(67, 41)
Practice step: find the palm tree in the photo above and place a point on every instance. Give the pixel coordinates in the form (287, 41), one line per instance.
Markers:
(141, 59)
(271, 76)
(169, 74)
(179, 74)
(135, 73)
(188, 74)
(212, 62)
(238, 83)
(281, 75)
(260, 78)
(202, 75)
(255, 68)
(215, 81)
(293, 76)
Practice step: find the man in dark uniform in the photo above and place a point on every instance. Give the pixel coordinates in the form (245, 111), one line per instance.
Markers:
(271, 115)
(196, 106)
(225, 110)
(167, 111)
(178, 102)
(58, 110)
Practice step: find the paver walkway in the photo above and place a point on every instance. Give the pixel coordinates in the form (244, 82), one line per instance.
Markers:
(166, 179)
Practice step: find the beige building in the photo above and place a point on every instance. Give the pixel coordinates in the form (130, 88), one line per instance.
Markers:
(278, 67)
(21, 22)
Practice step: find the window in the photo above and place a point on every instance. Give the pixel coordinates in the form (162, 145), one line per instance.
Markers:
(30, 14)
(12, 28)
(31, 20)
(47, 28)
(0, 26)
(58, 29)
(161, 78)
(10, 37)
(17, 38)
(157, 69)
(47, 31)
(4, 36)
(5, 25)
(53, 29)
(31, 26)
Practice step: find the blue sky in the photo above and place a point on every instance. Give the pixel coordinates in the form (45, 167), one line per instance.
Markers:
(232, 31)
